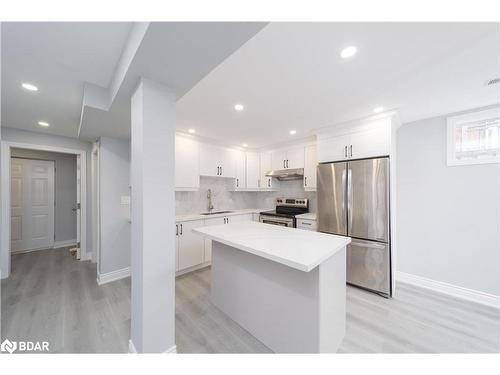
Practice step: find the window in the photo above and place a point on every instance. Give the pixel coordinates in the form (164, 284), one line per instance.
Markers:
(474, 138)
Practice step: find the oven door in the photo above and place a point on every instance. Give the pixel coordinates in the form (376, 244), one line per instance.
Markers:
(276, 220)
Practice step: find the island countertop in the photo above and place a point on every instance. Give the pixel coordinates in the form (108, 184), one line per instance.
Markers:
(299, 249)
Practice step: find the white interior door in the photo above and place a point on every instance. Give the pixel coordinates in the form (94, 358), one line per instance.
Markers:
(32, 204)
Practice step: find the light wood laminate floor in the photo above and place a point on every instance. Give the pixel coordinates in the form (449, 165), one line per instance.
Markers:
(51, 297)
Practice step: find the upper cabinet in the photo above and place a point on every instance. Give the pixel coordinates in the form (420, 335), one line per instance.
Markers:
(288, 158)
(266, 166)
(367, 139)
(240, 170)
(253, 170)
(310, 166)
(217, 161)
(187, 170)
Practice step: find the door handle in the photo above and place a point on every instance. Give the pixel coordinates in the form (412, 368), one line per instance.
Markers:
(181, 230)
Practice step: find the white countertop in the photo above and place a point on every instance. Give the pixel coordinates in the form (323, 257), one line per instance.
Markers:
(197, 216)
(307, 216)
(299, 249)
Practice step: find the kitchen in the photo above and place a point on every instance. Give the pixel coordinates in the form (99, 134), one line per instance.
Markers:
(265, 200)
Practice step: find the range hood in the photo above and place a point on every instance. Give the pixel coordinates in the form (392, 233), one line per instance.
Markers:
(287, 174)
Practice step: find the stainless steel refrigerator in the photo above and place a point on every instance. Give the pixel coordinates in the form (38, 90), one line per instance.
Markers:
(353, 200)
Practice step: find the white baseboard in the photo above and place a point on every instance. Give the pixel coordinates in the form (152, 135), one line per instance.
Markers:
(103, 278)
(132, 350)
(58, 244)
(86, 256)
(449, 289)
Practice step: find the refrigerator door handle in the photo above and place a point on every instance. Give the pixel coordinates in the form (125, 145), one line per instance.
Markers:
(344, 186)
(349, 200)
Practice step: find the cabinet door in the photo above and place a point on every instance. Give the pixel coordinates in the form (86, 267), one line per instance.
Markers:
(333, 149)
(266, 166)
(210, 160)
(370, 143)
(311, 162)
(228, 162)
(295, 157)
(240, 174)
(187, 169)
(208, 243)
(253, 170)
(191, 245)
(278, 160)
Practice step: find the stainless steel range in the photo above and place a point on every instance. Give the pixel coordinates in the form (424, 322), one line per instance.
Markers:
(285, 212)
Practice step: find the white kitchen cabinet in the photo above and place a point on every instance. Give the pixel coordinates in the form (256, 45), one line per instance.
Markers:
(240, 173)
(266, 166)
(217, 161)
(310, 166)
(190, 245)
(288, 159)
(333, 148)
(252, 170)
(369, 140)
(307, 224)
(187, 170)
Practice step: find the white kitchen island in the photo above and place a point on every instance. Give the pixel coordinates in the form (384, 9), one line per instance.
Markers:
(285, 286)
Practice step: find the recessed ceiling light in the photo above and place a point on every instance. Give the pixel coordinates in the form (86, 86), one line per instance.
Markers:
(43, 123)
(244, 145)
(348, 52)
(238, 107)
(192, 131)
(378, 109)
(293, 132)
(29, 87)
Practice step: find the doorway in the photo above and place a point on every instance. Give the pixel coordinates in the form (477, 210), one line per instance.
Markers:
(28, 237)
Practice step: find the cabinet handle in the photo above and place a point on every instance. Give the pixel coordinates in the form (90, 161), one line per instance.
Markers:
(221, 171)
(284, 163)
(345, 151)
(287, 163)
(305, 180)
(181, 230)
(176, 229)
(268, 182)
(237, 182)
(350, 147)
(227, 220)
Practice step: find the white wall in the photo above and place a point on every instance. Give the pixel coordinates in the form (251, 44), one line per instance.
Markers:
(65, 189)
(114, 163)
(448, 217)
(22, 136)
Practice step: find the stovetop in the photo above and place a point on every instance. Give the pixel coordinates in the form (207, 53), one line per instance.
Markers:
(278, 214)
(289, 207)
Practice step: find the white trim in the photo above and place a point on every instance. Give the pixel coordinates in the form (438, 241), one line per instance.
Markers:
(5, 194)
(450, 289)
(104, 278)
(133, 350)
(58, 244)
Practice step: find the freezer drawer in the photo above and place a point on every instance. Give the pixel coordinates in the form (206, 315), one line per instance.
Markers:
(368, 265)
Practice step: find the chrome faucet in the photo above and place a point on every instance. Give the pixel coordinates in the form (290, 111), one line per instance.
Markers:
(209, 197)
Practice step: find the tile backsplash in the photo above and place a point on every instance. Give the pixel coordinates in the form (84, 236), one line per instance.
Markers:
(187, 202)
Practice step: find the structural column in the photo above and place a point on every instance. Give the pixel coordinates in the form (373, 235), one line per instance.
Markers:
(153, 218)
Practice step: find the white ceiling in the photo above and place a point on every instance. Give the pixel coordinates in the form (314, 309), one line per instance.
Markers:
(290, 76)
(58, 58)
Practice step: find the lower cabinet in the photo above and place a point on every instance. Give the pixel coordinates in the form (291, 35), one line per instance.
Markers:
(307, 224)
(190, 246)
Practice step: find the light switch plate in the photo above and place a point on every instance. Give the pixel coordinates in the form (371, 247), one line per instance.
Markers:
(125, 199)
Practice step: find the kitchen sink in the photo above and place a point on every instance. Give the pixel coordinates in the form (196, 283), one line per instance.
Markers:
(215, 212)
